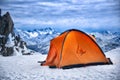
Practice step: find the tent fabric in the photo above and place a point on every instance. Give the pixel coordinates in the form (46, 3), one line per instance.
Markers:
(74, 47)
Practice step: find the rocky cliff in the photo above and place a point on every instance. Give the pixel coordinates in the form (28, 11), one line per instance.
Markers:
(10, 43)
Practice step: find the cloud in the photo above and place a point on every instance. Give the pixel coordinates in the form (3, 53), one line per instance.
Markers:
(51, 4)
(65, 13)
(93, 23)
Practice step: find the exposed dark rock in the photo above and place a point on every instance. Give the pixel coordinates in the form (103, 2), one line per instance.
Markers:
(17, 49)
(22, 44)
(8, 39)
(27, 54)
(3, 40)
(7, 51)
(6, 27)
(6, 24)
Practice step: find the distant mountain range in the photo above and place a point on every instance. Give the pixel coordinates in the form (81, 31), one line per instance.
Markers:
(108, 40)
(39, 39)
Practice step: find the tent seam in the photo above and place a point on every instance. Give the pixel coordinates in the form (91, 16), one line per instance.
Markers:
(63, 46)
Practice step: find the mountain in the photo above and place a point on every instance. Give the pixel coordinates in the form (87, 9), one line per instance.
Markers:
(10, 43)
(38, 39)
(107, 40)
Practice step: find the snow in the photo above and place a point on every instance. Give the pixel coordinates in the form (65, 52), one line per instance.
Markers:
(10, 42)
(37, 39)
(16, 53)
(26, 68)
(32, 35)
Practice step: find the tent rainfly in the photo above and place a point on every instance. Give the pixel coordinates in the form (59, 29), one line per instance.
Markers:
(74, 48)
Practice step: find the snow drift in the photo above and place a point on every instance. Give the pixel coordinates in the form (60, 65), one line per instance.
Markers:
(27, 68)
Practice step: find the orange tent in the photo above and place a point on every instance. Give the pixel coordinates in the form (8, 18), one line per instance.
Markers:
(74, 48)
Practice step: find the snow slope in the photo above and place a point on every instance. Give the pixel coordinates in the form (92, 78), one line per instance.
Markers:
(27, 68)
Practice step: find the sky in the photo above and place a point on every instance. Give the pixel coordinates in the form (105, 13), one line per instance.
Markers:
(64, 14)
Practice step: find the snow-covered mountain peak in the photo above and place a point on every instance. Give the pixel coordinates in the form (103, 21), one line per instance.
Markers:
(35, 33)
(108, 40)
(37, 39)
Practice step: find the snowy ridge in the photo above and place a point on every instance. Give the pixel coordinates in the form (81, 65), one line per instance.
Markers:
(108, 40)
(18, 46)
(38, 39)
